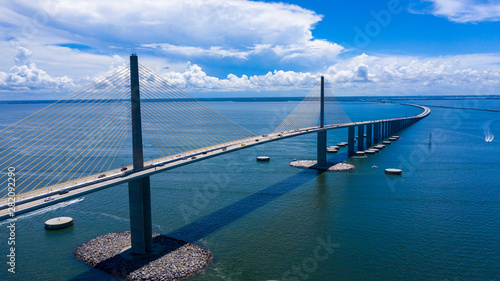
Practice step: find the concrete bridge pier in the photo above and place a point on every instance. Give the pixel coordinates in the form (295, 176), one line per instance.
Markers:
(361, 137)
(321, 153)
(140, 216)
(369, 137)
(350, 141)
(376, 132)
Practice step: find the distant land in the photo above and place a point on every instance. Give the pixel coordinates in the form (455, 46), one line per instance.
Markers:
(271, 99)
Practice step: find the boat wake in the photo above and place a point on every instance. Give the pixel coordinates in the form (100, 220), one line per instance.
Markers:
(488, 135)
(46, 209)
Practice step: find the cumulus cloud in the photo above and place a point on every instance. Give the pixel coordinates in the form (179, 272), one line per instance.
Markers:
(195, 28)
(359, 75)
(26, 76)
(190, 51)
(463, 11)
(378, 75)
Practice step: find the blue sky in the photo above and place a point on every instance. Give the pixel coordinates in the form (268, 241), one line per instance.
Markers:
(254, 48)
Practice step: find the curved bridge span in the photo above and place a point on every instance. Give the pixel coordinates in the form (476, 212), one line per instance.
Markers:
(123, 87)
(376, 130)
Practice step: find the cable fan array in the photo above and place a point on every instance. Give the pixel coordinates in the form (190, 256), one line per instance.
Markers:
(307, 112)
(88, 132)
(176, 122)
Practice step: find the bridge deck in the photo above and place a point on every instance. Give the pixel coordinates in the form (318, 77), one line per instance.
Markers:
(80, 187)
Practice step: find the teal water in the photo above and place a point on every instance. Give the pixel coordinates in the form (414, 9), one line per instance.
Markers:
(266, 221)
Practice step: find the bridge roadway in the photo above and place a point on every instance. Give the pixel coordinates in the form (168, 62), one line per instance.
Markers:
(83, 186)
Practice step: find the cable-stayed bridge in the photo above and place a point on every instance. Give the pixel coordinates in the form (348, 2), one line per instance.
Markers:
(74, 146)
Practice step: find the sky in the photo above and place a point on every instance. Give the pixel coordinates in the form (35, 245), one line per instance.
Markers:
(239, 48)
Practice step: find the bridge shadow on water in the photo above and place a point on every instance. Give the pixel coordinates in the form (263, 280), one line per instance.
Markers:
(211, 223)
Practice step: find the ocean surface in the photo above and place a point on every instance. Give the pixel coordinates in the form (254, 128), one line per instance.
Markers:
(268, 221)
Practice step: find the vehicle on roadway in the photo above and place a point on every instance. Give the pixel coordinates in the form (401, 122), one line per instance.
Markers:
(101, 176)
(48, 199)
(61, 192)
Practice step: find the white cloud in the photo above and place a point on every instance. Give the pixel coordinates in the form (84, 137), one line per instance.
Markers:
(212, 28)
(189, 51)
(26, 76)
(463, 11)
(360, 75)
(372, 75)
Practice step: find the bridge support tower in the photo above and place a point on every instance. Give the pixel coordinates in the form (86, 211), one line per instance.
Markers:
(321, 153)
(139, 192)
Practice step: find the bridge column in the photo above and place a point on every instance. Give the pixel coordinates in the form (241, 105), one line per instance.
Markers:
(139, 192)
(376, 132)
(350, 141)
(369, 137)
(321, 152)
(361, 137)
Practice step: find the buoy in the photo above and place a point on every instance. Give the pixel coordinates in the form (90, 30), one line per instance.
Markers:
(58, 223)
(379, 146)
(386, 142)
(263, 158)
(391, 171)
(360, 153)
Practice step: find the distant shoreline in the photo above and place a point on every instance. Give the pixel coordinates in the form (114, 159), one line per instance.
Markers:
(280, 99)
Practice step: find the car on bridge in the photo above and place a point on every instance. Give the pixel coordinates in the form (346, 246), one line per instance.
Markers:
(101, 176)
(61, 192)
